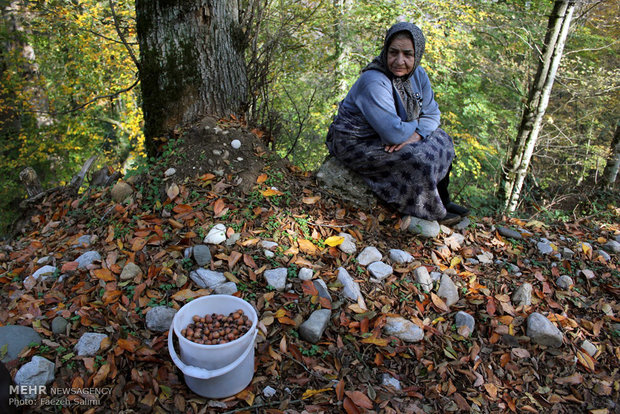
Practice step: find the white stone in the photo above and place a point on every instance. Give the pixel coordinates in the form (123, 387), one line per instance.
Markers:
(564, 282)
(423, 227)
(305, 273)
(235, 143)
(544, 247)
(227, 288)
(268, 245)
(202, 254)
(83, 241)
(523, 295)
(455, 242)
(389, 381)
(587, 273)
(567, 253)
(159, 318)
(448, 290)
(485, 257)
(435, 276)
(423, 278)
(403, 329)
(269, 254)
(87, 259)
(312, 329)
(463, 224)
(379, 271)
(542, 331)
(130, 270)
(170, 172)
(44, 260)
(351, 288)
(38, 372)
(369, 255)
(276, 278)
(269, 392)
(216, 235)
(612, 246)
(465, 319)
(206, 278)
(400, 256)
(348, 245)
(89, 343)
(602, 253)
(45, 272)
(589, 347)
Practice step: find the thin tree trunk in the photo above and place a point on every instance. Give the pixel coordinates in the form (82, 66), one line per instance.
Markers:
(613, 163)
(191, 63)
(531, 123)
(342, 47)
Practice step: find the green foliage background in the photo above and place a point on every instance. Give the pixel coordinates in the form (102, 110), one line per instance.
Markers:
(302, 58)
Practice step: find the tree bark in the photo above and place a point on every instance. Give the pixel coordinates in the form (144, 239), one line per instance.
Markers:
(191, 63)
(531, 122)
(613, 162)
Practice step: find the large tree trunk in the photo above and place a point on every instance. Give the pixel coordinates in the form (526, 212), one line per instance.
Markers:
(613, 162)
(191, 62)
(531, 123)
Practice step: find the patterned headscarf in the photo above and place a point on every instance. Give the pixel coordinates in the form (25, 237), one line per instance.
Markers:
(402, 83)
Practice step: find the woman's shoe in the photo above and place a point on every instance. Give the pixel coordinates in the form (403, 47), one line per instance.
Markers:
(457, 209)
(450, 219)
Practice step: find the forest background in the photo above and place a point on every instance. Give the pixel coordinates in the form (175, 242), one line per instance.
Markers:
(69, 88)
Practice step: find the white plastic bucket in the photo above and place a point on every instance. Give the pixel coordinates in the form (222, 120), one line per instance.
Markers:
(214, 371)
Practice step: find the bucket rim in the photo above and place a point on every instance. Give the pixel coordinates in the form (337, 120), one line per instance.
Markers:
(186, 341)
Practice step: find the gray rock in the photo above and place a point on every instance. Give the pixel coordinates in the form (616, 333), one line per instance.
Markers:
(121, 191)
(269, 254)
(465, 319)
(346, 184)
(564, 282)
(445, 229)
(216, 235)
(589, 347)
(205, 278)
(87, 259)
(234, 238)
(544, 247)
(305, 273)
(38, 372)
(16, 338)
(312, 329)
(403, 329)
(542, 331)
(423, 278)
(473, 261)
(268, 245)
(435, 276)
(159, 318)
(513, 268)
(423, 227)
(188, 252)
(462, 225)
(45, 260)
(523, 295)
(485, 257)
(348, 245)
(379, 271)
(567, 253)
(170, 172)
(89, 343)
(389, 381)
(448, 290)
(130, 271)
(587, 273)
(602, 253)
(455, 241)
(227, 288)
(400, 256)
(45, 272)
(59, 325)
(506, 232)
(369, 255)
(83, 241)
(351, 288)
(202, 255)
(617, 238)
(276, 278)
(612, 246)
(320, 285)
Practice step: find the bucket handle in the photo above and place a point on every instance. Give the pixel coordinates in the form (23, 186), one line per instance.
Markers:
(202, 373)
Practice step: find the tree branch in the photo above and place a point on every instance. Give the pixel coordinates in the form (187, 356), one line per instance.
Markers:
(120, 34)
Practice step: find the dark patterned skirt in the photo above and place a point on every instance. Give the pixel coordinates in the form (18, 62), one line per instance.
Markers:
(406, 179)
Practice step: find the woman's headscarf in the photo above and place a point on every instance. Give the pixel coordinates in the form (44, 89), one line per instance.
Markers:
(402, 83)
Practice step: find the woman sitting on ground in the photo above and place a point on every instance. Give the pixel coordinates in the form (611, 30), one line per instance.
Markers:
(387, 130)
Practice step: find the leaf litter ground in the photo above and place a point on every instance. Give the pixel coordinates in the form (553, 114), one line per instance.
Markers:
(496, 369)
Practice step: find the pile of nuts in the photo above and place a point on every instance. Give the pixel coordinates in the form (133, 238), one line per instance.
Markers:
(215, 329)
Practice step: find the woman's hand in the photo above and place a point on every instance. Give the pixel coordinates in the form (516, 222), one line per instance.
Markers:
(413, 138)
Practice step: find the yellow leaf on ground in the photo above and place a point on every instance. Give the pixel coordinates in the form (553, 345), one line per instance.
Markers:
(375, 341)
(310, 393)
(271, 192)
(261, 178)
(334, 241)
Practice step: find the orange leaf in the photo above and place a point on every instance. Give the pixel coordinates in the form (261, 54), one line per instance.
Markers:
(270, 192)
(306, 246)
(130, 344)
(585, 360)
(111, 296)
(437, 301)
(349, 406)
(311, 200)
(340, 390)
(233, 258)
(360, 399)
(183, 295)
(491, 389)
(247, 259)
(219, 208)
(137, 244)
(261, 178)
(309, 288)
(182, 208)
(574, 379)
(375, 341)
(104, 274)
(286, 321)
(101, 375)
(206, 177)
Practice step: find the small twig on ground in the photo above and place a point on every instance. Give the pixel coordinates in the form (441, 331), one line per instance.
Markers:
(270, 404)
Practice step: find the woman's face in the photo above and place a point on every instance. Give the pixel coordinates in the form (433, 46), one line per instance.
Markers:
(401, 55)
